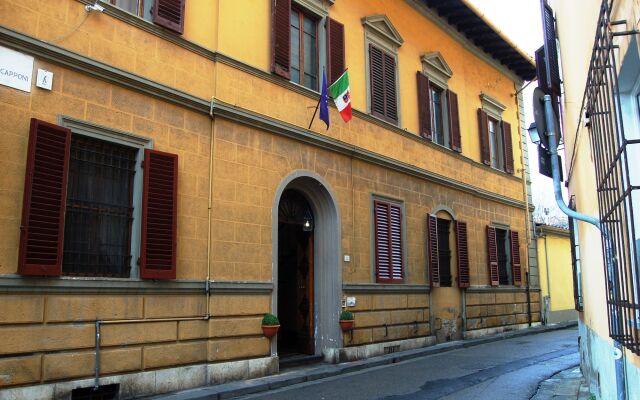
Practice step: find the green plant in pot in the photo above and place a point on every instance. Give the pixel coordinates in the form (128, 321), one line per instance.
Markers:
(346, 320)
(270, 325)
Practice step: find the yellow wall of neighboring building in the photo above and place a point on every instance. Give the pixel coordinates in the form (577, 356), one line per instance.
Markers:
(556, 249)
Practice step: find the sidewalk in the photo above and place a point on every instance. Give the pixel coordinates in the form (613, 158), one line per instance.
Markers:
(321, 371)
(565, 385)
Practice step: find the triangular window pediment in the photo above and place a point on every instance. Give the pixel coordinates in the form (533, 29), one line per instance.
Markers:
(436, 68)
(381, 25)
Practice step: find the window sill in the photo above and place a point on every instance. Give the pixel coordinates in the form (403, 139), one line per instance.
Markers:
(385, 287)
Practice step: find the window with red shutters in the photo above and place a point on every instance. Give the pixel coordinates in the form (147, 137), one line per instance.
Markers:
(434, 258)
(382, 79)
(281, 38)
(462, 253)
(454, 121)
(424, 106)
(516, 268)
(483, 132)
(492, 256)
(508, 147)
(388, 242)
(169, 14)
(159, 215)
(335, 50)
(44, 200)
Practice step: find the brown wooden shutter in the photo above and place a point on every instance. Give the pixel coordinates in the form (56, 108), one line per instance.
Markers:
(169, 14)
(508, 147)
(432, 244)
(335, 50)
(390, 89)
(515, 258)
(44, 200)
(159, 215)
(462, 252)
(483, 131)
(424, 106)
(388, 241)
(376, 77)
(281, 38)
(492, 256)
(454, 121)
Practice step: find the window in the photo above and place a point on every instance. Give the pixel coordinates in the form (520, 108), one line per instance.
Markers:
(87, 186)
(304, 50)
(382, 41)
(166, 13)
(496, 148)
(388, 241)
(439, 245)
(437, 113)
(503, 256)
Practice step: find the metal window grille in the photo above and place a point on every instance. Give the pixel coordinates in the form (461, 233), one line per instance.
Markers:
(99, 208)
(611, 150)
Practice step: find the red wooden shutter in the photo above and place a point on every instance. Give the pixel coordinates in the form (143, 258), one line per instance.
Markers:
(515, 258)
(454, 121)
(391, 103)
(424, 106)
(335, 49)
(492, 256)
(170, 14)
(434, 260)
(376, 77)
(159, 215)
(483, 131)
(388, 241)
(44, 200)
(508, 147)
(462, 252)
(281, 38)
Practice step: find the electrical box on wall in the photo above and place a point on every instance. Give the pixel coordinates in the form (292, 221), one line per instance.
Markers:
(351, 301)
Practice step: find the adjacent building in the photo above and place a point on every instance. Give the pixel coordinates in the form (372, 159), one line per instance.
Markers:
(162, 188)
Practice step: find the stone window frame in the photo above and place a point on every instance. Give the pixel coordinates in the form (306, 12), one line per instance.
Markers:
(380, 32)
(80, 127)
(507, 229)
(494, 110)
(438, 71)
(405, 259)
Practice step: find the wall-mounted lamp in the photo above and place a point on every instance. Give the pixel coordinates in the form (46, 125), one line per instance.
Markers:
(307, 222)
(533, 133)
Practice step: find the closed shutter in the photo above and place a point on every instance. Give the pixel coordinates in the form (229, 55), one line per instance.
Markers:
(462, 253)
(44, 200)
(492, 256)
(159, 215)
(335, 49)
(388, 242)
(281, 38)
(390, 87)
(454, 121)
(170, 14)
(515, 258)
(382, 75)
(434, 261)
(483, 131)
(508, 147)
(424, 106)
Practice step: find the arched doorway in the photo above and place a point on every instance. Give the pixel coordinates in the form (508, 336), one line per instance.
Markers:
(310, 263)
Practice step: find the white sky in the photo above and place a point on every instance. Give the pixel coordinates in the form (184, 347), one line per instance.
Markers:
(520, 21)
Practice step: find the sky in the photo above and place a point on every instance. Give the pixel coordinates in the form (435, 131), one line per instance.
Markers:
(520, 21)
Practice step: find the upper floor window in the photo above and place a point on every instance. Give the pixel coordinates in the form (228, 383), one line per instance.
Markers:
(166, 13)
(496, 146)
(382, 41)
(503, 246)
(304, 49)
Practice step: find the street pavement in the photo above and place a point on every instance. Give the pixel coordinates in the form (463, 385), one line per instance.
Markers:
(506, 369)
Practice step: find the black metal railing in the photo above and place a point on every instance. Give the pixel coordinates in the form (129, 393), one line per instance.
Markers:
(612, 152)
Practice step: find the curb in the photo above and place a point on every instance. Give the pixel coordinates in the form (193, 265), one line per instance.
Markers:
(293, 377)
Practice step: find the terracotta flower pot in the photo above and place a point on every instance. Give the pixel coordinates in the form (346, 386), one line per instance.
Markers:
(346, 324)
(270, 330)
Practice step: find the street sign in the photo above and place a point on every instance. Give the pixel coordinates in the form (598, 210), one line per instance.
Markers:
(544, 163)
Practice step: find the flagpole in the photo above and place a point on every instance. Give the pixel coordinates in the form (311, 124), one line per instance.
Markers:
(315, 112)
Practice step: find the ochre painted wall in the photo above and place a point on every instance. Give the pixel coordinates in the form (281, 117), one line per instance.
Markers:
(557, 250)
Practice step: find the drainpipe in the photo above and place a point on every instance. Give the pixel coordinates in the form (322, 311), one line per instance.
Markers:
(609, 254)
(547, 304)
(526, 274)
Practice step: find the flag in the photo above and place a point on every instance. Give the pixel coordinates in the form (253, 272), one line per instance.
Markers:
(341, 96)
(324, 101)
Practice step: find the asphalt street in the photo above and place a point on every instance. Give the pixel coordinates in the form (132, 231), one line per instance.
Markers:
(507, 369)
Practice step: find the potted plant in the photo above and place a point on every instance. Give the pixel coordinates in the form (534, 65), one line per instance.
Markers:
(270, 325)
(346, 320)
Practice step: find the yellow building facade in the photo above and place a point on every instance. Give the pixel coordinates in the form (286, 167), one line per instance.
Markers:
(167, 191)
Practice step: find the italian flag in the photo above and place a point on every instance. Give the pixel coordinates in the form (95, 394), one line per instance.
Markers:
(339, 91)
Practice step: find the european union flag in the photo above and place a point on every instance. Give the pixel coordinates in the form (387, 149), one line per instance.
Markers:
(324, 100)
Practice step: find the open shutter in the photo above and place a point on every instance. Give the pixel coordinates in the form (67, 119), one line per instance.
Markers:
(44, 200)
(335, 49)
(169, 14)
(454, 121)
(462, 253)
(424, 106)
(492, 256)
(391, 102)
(508, 147)
(434, 260)
(395, 233)
(159, 215)
(515, 258)
(281, 38)
(483, 131)
(376, 77)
